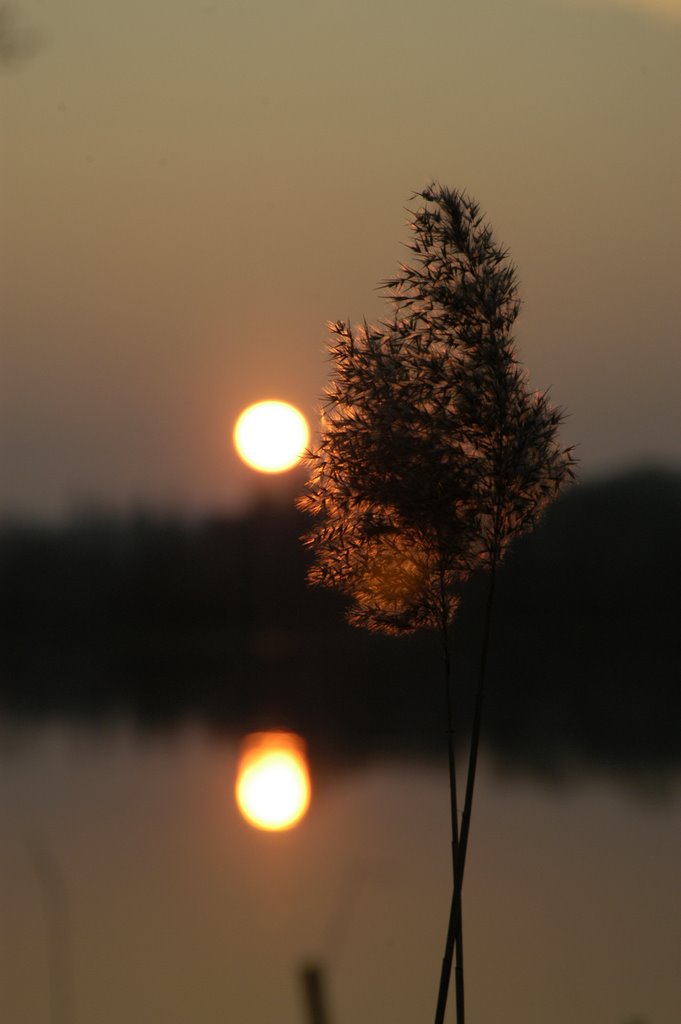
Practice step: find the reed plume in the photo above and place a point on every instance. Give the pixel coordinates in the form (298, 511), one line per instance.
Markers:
(434, 453)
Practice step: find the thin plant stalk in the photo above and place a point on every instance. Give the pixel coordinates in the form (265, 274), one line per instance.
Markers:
(453, 940)
(454, 937)
(460, 837)
(57, 931)
(312, 978)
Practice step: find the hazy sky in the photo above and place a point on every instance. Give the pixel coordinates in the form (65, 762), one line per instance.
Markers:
(191, 190)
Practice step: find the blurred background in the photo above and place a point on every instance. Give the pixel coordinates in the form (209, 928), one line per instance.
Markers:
(187, 194)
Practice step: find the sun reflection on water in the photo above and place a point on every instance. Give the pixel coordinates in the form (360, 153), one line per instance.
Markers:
(273, 780)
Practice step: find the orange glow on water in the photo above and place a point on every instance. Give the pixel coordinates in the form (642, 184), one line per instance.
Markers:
(273, 781)
(271, 436)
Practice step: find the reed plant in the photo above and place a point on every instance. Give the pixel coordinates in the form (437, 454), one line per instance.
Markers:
(433, 454)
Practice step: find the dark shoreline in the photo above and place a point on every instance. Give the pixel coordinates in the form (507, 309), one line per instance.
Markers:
(166, 621)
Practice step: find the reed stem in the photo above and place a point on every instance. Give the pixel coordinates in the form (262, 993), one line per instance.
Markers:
(454, 937)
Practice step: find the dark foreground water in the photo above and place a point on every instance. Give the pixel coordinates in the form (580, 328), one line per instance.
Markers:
(130, 890)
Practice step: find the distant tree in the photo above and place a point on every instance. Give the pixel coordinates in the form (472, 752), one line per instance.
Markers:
(434, 453)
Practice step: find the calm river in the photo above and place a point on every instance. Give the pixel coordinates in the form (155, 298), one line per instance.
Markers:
(132, 891)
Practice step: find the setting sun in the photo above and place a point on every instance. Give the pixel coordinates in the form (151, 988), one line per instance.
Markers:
(271, 436)
(273, 781)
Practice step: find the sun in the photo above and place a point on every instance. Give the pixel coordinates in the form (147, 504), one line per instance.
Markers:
(271, 436)
(273, 782)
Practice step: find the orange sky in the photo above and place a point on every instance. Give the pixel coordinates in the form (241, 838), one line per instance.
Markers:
(188, 193)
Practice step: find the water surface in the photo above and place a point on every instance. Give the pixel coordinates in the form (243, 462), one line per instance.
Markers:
(131, 890)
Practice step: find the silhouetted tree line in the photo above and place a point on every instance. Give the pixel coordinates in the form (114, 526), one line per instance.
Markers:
(164, 620)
